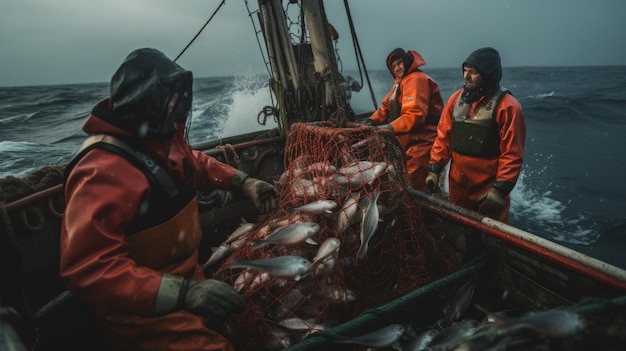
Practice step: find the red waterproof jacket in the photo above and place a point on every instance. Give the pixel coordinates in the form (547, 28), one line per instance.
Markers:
(470, 177)
(104, 192)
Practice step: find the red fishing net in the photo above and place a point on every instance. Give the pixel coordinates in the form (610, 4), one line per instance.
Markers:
(379, 232)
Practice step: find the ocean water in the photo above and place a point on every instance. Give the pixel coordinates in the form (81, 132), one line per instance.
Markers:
(571, 190)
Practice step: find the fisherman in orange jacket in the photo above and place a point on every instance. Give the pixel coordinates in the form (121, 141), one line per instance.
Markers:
(131, 230)
(482, 131)
(411, 111)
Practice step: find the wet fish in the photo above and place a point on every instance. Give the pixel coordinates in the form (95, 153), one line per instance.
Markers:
(281, 222)
(317, 167)
(553, 323)
(217, 254)
(337, 294)
(292, 267)
(242, 279)
(348, 212)
(458, 303)
(242, 230)
(383, 337)
(315, 188)
(326, 266)
(369, 223)
(420, 341)
(316, 207)
(363, 172)
(328, 247)
(301, 324)
(456, 331)
(290, 234)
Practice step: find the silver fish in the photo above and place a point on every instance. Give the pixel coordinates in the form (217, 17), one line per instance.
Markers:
(456, 331)
(217, 254)
(420, 341)
(281, 222)
(363, 173)
(301, 324)
(291, 234)
(292, 267)
(369, 223)
(326, 266)
(458, 303)
(327, 248)
(554, 323)
(316, 207)
(242, 279)
(315, 188)
(348, 212)
(383, 337)
(242, 230)
(337, 294)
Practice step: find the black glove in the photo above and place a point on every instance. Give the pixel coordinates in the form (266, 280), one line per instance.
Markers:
(432, 183)
(212, 298)
(492, 200)
(207, 298)
(263, 195)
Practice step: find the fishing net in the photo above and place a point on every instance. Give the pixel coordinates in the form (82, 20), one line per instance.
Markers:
(357, 167)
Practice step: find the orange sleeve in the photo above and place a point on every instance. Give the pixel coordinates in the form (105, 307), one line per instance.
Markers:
(510, 118)
(381, 115)
(104, 192)
(441, 150)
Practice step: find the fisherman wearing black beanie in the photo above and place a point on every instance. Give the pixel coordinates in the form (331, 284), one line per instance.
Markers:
(482, 132)
(487, 62)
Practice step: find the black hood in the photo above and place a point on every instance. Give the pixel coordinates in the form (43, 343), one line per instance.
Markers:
(406, 60)
(141, 89)
(487, 62)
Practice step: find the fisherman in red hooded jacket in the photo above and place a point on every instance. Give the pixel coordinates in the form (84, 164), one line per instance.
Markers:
(130, 232)
(411, 111)
(482, 131)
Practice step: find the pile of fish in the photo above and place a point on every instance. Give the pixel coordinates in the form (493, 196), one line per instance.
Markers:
(331, 249)
(590, 325)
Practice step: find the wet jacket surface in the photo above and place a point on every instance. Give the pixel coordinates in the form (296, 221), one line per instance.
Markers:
(104, 193)
(470, 177)
(415, 127)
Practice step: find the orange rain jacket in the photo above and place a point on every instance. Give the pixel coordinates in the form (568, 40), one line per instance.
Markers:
(471, 177)
(103, 193)
(420, 99)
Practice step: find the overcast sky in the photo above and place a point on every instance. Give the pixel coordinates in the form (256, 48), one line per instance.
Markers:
(79, 41)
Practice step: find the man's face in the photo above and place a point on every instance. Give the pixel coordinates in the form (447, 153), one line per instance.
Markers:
(473, 79)
(397, 67)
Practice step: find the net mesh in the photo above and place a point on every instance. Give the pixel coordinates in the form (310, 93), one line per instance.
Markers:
(355, 167)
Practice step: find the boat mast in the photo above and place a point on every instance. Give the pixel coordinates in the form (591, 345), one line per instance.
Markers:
(305, 78)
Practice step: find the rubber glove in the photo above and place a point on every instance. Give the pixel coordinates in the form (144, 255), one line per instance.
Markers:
(432, 183)
(492, 200)
(207, 298)
(263, 195)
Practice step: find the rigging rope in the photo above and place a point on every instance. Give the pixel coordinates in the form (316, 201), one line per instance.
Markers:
(200, 31)
(358, 53)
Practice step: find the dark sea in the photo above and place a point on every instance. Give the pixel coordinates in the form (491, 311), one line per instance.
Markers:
(572, 187)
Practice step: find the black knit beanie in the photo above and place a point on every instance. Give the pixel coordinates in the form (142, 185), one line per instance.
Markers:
(487, 62)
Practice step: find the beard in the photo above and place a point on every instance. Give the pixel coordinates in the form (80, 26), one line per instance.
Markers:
(472, 93)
